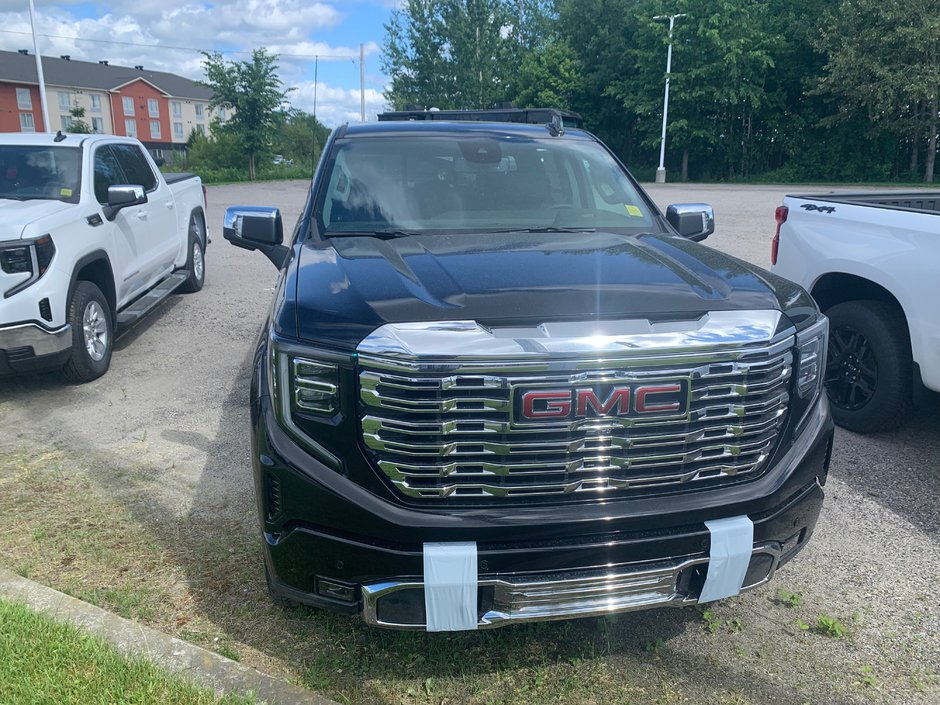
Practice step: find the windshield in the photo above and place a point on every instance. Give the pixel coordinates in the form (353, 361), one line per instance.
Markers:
(474, 183)
(29, 172)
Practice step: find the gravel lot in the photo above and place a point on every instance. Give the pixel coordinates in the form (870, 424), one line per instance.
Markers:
(175, 404)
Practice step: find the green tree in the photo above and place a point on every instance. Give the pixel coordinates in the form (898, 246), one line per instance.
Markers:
(255, 93)
(77, 122)
(300, 137)
(884, 60)
(550, 76)
(460, 53)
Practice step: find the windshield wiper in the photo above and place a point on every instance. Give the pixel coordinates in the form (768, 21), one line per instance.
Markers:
(543, 229)
(387, 234)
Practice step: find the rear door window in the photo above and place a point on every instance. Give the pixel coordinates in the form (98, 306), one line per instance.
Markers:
(135, 166)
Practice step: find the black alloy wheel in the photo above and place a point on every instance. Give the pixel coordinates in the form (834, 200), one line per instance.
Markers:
(851, 370)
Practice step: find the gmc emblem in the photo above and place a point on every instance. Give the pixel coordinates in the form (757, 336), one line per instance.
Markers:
(627, 400)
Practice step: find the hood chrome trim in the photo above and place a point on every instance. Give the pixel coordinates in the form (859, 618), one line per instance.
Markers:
(469, 340)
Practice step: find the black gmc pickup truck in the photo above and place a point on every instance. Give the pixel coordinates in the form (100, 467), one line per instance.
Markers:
(497, 385)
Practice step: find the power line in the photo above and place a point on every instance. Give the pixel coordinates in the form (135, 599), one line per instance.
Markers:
(169, 46)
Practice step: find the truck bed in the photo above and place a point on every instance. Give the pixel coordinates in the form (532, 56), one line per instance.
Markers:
(915, 201)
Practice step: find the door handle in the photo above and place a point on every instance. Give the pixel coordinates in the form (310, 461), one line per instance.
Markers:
(142, 215)
(169, 204)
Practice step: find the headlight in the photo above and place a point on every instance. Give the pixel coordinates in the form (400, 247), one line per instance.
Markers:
(30, 257)
(811, 346)
(304, 389)
(811, 349)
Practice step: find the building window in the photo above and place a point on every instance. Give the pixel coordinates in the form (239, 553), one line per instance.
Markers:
(65, 101)
(24, 101)
(66, 121)
(155, 129)
(97, 125)
(26, 122)
(222, 113)
(130, 128)
(153, 107)
(96, 104)
(200, 110)
(201, 129)
(177, 109)
(128, 105)
(177, 129)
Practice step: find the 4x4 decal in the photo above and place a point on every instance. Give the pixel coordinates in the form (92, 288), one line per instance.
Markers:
(822, 209)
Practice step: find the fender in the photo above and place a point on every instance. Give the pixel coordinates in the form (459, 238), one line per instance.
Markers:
(110, 293)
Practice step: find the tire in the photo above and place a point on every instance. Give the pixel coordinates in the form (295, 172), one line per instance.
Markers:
(869, 368)
(196, 257)
(92, 334)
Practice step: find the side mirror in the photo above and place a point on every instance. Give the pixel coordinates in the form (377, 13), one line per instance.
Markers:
(694, 221)
(159, 161)
(257, 228)
(123, 196)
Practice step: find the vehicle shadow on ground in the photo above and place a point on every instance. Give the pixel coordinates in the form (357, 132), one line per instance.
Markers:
(126, 337)
(898, 469)
(22, 385)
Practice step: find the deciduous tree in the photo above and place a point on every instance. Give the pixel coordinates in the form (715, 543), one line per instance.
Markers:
(255, 92)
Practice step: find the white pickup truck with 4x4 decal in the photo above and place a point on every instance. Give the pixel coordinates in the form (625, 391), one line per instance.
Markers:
(92, 237)
(870, 261)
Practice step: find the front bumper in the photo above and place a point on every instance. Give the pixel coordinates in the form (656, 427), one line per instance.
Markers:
(27, 346)
(330, 543)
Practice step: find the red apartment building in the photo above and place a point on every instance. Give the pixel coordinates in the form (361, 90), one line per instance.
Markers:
(160, 109)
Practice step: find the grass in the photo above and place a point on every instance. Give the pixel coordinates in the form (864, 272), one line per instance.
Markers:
(43, 661)
(89, 525)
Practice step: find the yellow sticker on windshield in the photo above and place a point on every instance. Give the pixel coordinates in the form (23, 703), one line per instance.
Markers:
(67, 192)
(633, 210)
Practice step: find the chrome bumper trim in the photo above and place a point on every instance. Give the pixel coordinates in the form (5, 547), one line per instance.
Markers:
(42, 341)
(585, 594)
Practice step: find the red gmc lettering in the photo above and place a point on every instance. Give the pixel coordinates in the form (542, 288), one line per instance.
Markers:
(619, 398)
(644, 407)
(557, 405)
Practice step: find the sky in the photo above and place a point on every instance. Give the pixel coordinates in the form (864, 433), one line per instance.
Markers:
(167, 36)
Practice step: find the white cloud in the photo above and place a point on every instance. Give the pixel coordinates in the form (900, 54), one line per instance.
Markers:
(151, 34)
(336, 105)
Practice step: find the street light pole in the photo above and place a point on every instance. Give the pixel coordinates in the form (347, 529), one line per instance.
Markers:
(661, 171)
(42, 81)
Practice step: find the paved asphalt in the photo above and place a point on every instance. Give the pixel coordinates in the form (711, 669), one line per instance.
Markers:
(177, 392)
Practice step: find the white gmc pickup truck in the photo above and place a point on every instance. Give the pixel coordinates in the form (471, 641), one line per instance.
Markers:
(872, 262)
(92, 236)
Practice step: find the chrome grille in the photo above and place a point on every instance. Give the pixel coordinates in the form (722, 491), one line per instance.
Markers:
(437, 433)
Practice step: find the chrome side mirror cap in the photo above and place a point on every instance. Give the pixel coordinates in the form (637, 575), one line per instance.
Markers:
(694, 221)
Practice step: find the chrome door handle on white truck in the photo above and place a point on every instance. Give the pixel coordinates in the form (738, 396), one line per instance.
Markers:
(92, 236)
(871, 262)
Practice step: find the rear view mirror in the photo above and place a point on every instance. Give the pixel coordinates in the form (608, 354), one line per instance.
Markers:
(695, 221)
(256, 228)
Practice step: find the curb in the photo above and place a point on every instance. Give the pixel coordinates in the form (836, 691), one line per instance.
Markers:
(199, 665)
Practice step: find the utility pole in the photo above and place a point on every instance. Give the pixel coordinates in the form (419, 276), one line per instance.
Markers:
(661, 171)
(362, 82)
(42, 80)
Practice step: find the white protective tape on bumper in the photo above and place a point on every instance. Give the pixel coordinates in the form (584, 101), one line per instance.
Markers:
(732, 541)
(450, 586)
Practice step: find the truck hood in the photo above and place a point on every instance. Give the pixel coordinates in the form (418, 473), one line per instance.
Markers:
(15, 216)
(347, 287)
